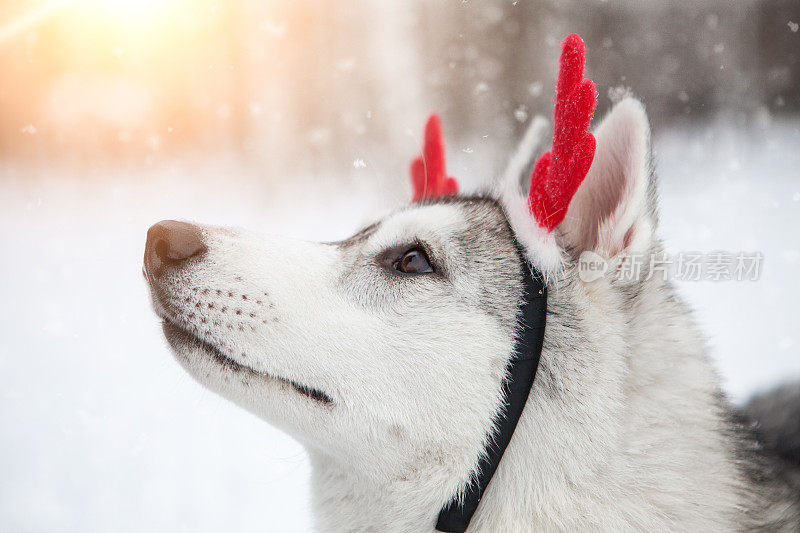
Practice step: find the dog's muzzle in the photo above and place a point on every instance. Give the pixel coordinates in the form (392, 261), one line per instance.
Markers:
(170, 244)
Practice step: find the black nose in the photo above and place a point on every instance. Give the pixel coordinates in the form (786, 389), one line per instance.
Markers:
(169, 244)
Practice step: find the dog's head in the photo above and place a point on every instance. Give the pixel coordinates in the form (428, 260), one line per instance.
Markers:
(386, 352)
(396, 338)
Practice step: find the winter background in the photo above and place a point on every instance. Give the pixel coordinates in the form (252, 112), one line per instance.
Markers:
(300, 118)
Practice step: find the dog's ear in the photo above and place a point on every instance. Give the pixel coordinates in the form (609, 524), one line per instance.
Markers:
(614, 209)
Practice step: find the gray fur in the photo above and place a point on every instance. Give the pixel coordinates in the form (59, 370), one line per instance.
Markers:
(625, 429)
(767, 429)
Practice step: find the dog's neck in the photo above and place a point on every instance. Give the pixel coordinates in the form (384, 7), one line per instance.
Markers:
(599, 445)
(346, 501)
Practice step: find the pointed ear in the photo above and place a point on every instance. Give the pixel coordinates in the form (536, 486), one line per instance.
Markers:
(614, 209)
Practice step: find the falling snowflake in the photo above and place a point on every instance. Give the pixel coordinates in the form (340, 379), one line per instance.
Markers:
(793, 26)
(521, 113)
(535, 88)
(30, 129)
(467, 150)
(359, 163)
(319, 136)
(618, 93)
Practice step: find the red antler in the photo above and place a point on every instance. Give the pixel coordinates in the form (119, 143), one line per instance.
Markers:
(428, 174)
(557, 174)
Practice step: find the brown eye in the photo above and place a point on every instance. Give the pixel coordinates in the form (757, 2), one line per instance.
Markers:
(414, 261)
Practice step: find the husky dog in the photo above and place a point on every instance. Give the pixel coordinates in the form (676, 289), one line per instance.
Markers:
(403, 357)
(384, 354)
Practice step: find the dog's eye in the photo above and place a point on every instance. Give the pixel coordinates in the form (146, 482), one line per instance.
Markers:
(414, 261)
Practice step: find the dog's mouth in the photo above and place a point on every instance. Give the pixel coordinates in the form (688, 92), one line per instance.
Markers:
(178, 335)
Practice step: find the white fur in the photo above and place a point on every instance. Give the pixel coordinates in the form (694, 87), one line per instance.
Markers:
(539, 244)
(624, 430)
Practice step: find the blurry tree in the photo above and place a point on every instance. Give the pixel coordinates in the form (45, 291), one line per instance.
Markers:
(308, 85)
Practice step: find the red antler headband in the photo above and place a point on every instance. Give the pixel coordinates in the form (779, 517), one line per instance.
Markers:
(558, 173)
(428, 174)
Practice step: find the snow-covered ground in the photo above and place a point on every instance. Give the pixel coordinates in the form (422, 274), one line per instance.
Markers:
(101, 430)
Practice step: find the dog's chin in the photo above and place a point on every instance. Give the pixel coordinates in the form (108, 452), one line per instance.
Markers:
(188, 348)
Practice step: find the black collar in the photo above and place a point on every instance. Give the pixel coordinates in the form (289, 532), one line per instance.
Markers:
(455, 516)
